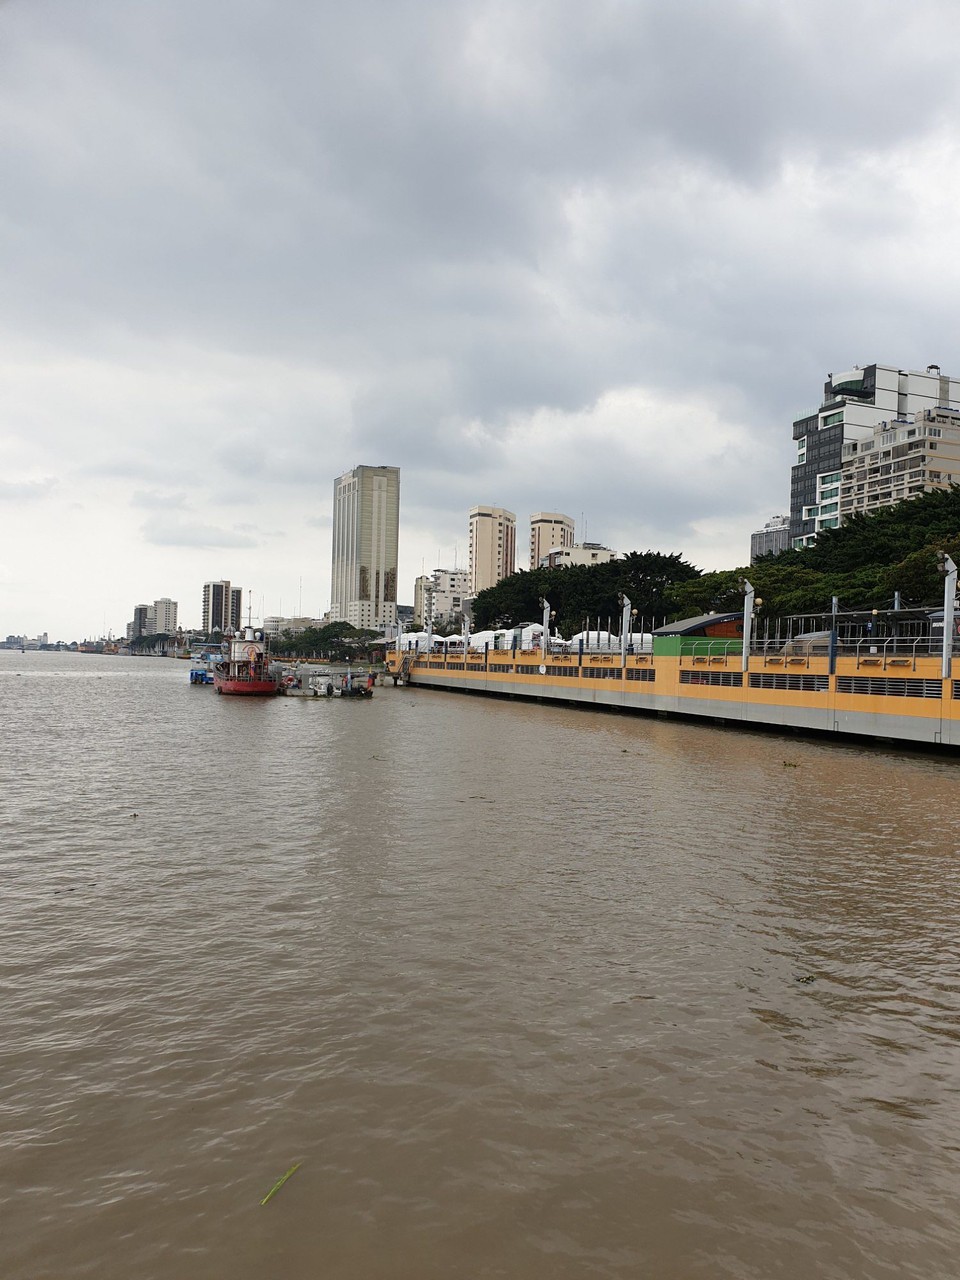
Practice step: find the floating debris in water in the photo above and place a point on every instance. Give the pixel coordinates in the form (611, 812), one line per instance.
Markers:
(280, 1181)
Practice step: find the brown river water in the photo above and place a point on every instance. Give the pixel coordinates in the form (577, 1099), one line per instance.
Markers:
(530, 992)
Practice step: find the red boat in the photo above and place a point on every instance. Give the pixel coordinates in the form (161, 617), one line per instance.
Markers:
(245, 669)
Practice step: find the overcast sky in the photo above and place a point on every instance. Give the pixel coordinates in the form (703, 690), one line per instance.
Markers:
(580, 257)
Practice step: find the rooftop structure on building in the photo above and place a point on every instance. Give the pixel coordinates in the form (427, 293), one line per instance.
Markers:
(853, 404)
(773, 538)
(580, 553)
(493, 546)
(549, 530)
(366, 528)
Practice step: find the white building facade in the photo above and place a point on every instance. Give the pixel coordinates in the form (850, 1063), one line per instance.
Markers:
(582, 553)
(493, 546)
(900, 460)
(366, 529)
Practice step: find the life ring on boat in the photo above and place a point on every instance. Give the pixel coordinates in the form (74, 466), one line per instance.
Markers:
(252, 652)
(289, 681)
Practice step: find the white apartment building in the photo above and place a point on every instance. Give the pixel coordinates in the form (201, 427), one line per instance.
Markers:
(165, 616)
(159, 618)
(901, 459)
(549, 530)
(366, 530)
(439, 597)
(854, 402)
(275, 625)
(582, 553)
(493, 546)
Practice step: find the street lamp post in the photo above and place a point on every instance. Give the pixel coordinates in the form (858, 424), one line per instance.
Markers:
(949, 570)
(626, 604)
(545, 638)
(749, 595)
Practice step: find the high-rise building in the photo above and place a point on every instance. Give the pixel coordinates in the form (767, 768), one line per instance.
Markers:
(366, 532)
(773, 538)
(548, 531)
(140, 626)
(222, 607)
(493, 546)
(165, 616)
(853, 404)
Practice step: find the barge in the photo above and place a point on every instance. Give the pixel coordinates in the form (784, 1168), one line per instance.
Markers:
(897, 689)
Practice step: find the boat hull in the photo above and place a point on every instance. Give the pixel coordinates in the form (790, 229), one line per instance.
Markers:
(245, 688)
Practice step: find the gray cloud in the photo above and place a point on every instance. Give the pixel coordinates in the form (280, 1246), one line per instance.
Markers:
(166, 532)
(27, 491)
(249, 245)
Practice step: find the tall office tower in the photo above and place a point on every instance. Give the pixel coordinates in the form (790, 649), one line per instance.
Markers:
(549, 531)
(493, 546)
(165, 616)
(222, 606)
(853, 404)
(366, 532)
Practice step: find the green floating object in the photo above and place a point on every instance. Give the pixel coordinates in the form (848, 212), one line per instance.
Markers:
(280, 1181)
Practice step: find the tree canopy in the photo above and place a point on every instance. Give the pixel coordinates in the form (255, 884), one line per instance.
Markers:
(336, 642)
(579, 592)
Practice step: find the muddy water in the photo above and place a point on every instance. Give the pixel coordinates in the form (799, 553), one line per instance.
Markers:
(530, 992)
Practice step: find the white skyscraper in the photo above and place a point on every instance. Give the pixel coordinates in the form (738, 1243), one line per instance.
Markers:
(366, 529)
(165, 614)
(493, 546)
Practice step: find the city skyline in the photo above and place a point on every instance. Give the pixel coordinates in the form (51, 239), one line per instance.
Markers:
(570, 259)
